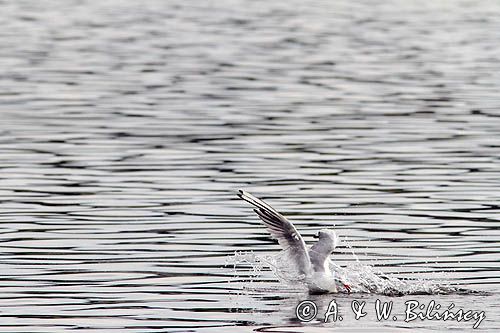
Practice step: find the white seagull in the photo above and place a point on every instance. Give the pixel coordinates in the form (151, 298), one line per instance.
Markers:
(313, 263)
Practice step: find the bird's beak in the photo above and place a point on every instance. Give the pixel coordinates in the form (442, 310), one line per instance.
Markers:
(316, 236)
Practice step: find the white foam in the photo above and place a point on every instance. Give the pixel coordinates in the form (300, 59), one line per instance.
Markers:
(361, 277)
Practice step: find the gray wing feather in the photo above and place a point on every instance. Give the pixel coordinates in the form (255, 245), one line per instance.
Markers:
(319, 254)
(281, 229)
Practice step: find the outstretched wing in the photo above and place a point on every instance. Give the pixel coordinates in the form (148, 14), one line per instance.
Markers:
(319, 253)
(281, 229)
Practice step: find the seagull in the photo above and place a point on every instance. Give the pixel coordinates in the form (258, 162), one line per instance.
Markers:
(313, 263)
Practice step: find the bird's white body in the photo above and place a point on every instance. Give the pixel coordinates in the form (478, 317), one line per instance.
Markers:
(321, 278)
(313, 262)
(321, 282)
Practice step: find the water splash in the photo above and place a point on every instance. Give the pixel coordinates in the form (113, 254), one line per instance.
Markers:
(365, 278)
(361, 277)
(251, 269)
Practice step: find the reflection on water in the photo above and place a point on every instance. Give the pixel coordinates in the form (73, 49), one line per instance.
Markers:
(127, 127)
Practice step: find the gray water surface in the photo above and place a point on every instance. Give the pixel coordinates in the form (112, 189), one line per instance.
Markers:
(127, 127)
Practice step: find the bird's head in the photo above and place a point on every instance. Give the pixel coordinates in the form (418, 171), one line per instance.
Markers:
(328, 236)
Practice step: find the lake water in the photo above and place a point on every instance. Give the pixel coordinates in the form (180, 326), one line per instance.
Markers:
(127, 127)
